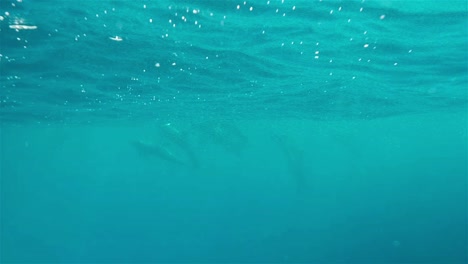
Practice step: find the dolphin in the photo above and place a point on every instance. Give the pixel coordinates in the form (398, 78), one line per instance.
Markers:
(174, 135)
(151, 149)
(226, 135)
(294, 159)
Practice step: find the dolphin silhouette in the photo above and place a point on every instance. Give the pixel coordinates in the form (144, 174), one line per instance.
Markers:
(150, 149)
(180, 140)
(294, 159)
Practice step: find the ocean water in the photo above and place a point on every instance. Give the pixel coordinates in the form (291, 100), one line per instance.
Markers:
(222, 131)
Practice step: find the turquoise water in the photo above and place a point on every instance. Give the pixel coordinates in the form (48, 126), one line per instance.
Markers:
(230, 131)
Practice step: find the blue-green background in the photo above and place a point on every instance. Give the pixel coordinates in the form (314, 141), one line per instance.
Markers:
(324, 131)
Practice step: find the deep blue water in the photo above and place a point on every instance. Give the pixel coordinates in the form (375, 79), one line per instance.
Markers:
(234, 131)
